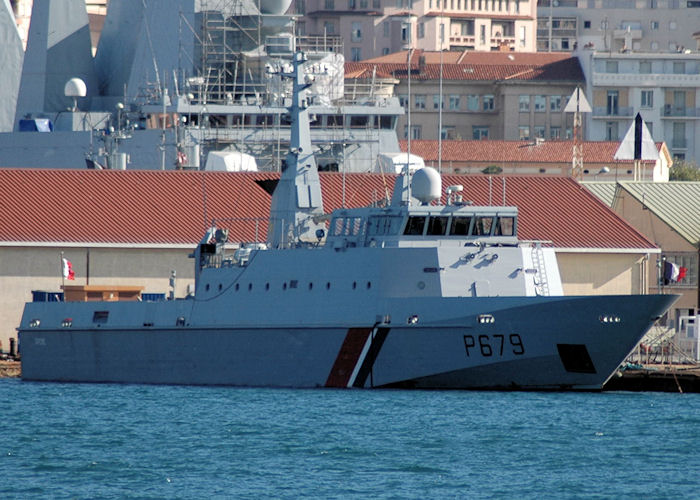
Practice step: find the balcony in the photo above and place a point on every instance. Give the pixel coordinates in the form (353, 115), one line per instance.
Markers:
(637, 79)
(617, 111)
(502, 43)
(680, 111)
(462, 39)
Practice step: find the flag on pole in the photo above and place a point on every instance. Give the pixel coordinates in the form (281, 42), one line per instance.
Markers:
(673, 273)
(68, 272)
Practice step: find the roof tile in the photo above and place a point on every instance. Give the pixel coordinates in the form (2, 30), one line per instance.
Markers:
(555, 66)
(496, 151)
(174, 208)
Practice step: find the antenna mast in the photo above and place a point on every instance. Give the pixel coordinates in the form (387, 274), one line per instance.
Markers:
(441, 98)
(577, 104)
(577, 155)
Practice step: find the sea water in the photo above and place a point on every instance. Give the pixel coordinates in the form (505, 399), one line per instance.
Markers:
(130, 441)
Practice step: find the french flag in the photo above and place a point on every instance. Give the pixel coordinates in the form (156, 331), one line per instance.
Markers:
(68, 272)
(673, 272)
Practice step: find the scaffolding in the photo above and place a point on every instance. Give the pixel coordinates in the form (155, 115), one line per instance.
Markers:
(237, 46)
(228, 30)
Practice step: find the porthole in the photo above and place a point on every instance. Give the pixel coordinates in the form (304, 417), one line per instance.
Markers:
(220, 286)
(250, 286)
(237, 286)
(207, 287)
(284, 285)
(328, 285)
(354, 285)
(369, 285)
(311, 286)
(267, 286)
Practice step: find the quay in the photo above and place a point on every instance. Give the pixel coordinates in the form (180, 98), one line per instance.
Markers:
(10, 369)
(655, 378)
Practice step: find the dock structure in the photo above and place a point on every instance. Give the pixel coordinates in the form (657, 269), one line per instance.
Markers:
(656, 378)
(10, 369)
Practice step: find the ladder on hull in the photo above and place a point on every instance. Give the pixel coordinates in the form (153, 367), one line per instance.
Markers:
(541, 282)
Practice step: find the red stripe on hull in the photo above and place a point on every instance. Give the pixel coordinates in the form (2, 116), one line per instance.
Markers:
(348, 356)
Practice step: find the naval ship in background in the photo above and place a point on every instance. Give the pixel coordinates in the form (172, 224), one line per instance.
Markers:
(409, 293)
(182, 84)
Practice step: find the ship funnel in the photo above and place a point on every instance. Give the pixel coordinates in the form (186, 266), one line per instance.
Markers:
(426, 185)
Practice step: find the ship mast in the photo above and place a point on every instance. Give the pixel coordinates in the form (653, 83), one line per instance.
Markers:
(297, 207)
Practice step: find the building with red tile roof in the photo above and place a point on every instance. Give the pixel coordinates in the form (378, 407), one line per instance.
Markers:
(485, 95)
(538, 158)
(135, 227)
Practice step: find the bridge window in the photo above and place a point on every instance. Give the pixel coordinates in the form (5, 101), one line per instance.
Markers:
(414, 226)
(482, 226)
(460, 226)
(437, 226)
(505, 226)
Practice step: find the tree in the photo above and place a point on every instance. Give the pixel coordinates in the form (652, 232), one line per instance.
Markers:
(683, 170)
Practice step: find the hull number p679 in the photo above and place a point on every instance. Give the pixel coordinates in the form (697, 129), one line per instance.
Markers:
(494, 345)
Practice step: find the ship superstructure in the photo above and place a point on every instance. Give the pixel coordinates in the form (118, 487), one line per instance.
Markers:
(173, 80)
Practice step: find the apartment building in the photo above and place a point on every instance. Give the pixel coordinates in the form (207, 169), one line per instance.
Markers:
(485, 95)
(614, 25)
(372, 28)
(663, 87)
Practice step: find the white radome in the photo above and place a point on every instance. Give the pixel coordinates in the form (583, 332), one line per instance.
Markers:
(426, 185)
(75, 87)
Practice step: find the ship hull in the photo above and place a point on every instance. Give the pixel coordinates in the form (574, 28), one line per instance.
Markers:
(526, 343)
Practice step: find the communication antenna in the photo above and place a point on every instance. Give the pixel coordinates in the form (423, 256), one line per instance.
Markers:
(409, 39)
(442, 40)
(577, 104)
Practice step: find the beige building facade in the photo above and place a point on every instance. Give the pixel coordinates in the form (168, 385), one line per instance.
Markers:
(504, 96)
(372, 28)
(605, 273)
(34, 267)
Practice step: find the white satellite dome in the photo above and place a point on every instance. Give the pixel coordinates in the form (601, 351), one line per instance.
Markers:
(274, 6)
(426, 185)
(75, 87)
